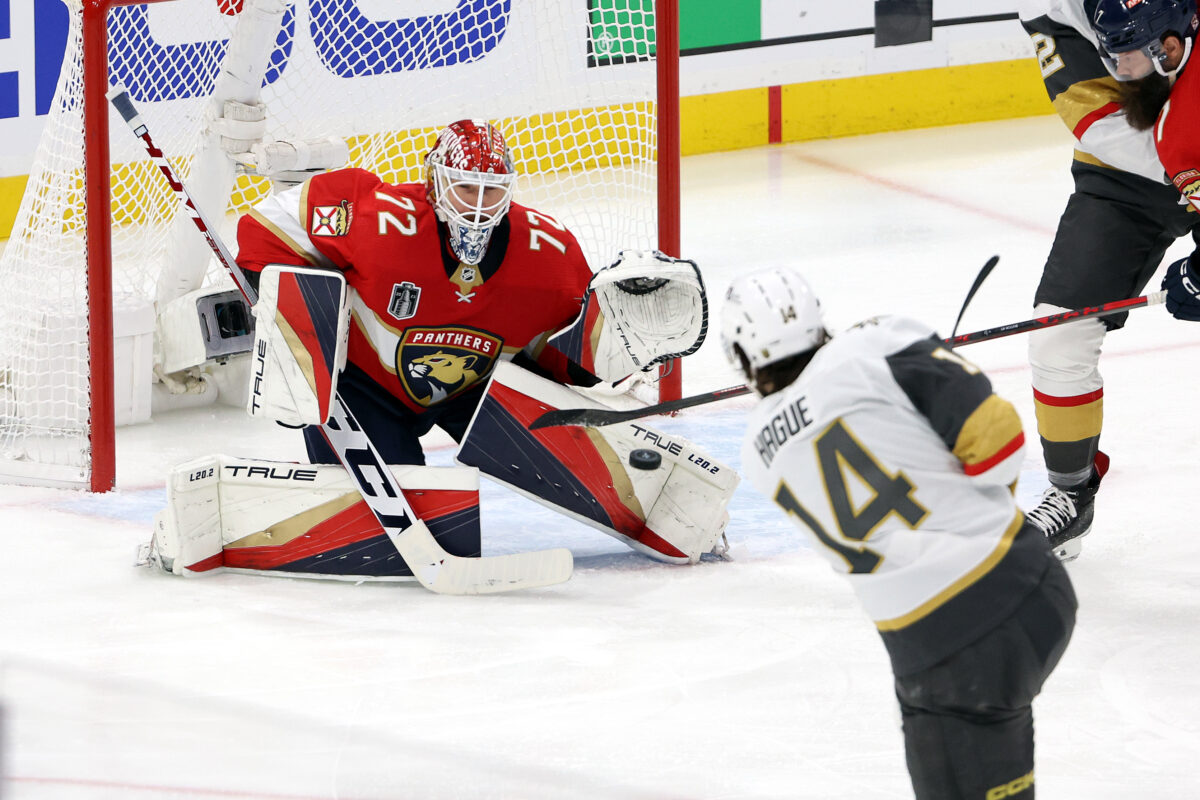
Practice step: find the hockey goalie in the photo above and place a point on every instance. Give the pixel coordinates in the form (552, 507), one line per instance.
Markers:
(289, 519)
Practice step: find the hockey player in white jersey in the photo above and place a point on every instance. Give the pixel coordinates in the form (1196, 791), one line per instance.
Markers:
(896, 456)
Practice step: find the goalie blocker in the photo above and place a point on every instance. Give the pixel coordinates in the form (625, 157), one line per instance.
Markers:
(675, 512)
(308, 520)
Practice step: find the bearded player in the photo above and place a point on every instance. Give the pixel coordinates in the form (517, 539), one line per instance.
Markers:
(1150, 46)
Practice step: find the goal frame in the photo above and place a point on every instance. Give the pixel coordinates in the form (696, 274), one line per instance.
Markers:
(98, 198)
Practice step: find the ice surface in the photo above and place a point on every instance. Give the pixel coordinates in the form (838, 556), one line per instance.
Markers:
(759, 678)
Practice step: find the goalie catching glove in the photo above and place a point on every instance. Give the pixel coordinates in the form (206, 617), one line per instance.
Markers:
(644, 309)
(302, 319)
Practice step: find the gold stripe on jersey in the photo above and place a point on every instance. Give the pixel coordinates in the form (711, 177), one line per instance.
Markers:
(1088, 158)
(990, 428)
(296, 526)
(616, 470)
(941, 598)
(283, 237)
(1069, 423)
(1085, 97)
(373, 330)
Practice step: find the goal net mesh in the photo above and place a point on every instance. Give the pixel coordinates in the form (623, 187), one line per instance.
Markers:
(571, 83)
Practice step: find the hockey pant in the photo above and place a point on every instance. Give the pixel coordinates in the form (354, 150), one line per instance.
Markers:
(968, 720)
(1111, 238)
(393, 428)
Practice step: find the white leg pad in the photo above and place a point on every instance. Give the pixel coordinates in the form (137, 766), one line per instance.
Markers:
(283, 518)
(674, 513)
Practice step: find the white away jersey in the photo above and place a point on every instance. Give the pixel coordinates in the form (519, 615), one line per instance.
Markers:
(895, 456)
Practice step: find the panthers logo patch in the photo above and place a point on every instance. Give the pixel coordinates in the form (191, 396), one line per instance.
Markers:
(434, 364)
(1188, 184)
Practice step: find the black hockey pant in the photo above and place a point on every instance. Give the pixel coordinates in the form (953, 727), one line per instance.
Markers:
(392, 427)
(968, 720)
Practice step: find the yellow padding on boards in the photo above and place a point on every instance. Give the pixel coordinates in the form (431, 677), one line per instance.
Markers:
(1069, 423)
(867, 104)
(579, 139)
(11, 190)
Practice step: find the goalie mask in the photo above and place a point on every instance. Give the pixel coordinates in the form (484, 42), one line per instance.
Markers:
(1131, 34)
(469, 177)
(769, 316)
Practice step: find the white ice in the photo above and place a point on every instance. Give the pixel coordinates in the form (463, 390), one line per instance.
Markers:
(759, 678)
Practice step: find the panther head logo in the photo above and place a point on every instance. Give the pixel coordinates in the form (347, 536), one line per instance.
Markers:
(434, 364)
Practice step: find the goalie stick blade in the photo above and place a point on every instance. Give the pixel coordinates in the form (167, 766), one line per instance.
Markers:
(444, 573)
(590, 417)
(594, 417)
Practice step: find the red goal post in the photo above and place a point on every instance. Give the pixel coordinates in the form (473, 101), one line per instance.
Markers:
(585, 90)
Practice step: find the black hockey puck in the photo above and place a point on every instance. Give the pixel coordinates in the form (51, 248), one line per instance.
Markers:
(645, 459)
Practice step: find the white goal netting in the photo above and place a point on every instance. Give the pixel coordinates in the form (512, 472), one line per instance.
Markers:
(570, 82)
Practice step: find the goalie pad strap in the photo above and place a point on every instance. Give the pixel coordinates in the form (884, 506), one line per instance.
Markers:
(300, 339)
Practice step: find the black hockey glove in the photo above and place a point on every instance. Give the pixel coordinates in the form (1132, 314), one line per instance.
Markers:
(1183, 291)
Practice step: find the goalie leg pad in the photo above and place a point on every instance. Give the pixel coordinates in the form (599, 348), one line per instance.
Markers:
(302, 519)
(674, 513)
(302, 321)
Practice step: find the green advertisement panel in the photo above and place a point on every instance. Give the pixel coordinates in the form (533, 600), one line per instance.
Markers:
(712, 23)
(620, 31)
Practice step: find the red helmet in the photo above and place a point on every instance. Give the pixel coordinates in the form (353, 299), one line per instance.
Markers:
(469, 177)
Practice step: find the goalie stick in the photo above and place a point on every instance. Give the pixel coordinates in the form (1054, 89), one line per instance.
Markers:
(593, 417)
(432, 566)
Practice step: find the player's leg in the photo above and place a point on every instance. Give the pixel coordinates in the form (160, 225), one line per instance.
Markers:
(1110, 239)
(394, 430)
(668, 502)
(968, 720)
(454, 416)
(282, 518)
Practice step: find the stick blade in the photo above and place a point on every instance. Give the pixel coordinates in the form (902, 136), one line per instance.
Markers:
(444, 573)
(588, 417)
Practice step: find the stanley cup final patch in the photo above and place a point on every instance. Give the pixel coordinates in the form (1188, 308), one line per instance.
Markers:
(331, 220)
(405, 297)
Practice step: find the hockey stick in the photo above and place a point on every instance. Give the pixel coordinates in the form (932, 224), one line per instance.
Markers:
(1087, 312)
(432, 566)
(979, 279)
(593, 417)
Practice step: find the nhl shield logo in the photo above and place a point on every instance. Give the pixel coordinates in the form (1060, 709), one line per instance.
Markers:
(405, 297)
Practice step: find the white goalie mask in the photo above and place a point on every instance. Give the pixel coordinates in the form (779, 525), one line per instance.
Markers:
(469, 178)
(770, 315)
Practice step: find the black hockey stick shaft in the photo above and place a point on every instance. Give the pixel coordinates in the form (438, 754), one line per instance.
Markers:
(1051, 320)
(979, 279)
(436, 569)
(594, 417)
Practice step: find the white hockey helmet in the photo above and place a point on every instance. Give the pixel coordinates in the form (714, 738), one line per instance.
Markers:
(469, 177)
(770, 315)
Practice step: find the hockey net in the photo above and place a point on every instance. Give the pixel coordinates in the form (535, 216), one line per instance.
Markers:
(572, 84)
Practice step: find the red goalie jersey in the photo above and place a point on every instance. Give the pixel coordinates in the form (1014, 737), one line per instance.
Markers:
(423, 325)
(1175, 134)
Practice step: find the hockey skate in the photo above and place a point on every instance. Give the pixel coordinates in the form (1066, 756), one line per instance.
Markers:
(1065, 516)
